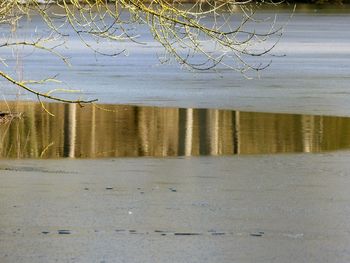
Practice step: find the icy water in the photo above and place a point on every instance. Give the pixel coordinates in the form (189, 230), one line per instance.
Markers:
(309, 73)
(130, 131)
(236, 208)
(309, 76)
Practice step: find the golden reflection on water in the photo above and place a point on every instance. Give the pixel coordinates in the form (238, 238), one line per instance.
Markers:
(130, 131)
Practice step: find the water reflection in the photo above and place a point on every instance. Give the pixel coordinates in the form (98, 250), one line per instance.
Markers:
(148, 131)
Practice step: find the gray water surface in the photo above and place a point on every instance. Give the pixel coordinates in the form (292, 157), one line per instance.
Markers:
(286, 208)
(257, 208)
(312, 77)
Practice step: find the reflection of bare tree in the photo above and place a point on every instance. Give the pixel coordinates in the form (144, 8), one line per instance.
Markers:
(189, 132)
(308, 128)
(213, 131)
(70, 130)
(146, 131)
(236, 133)
(167, 135)
(220, 126)
(93, 133)
(312, 130)
(226, 130)
(145, 125)
(157, 131)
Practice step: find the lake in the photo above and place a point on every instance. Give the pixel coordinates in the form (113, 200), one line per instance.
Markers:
(179, 166)
(203, 113)
(312, 77)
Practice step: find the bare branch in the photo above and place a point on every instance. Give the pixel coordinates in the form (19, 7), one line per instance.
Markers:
(201, 35)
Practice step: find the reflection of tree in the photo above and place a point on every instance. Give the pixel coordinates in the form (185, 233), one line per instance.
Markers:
(146, 127)
(167, 132)
(226, 131)
(157, 131)
(213, 131)
(93, 132)
(189, 132)
(312, 130)
(70, 130)
(307, 124)
(236, 133)
(147, 131)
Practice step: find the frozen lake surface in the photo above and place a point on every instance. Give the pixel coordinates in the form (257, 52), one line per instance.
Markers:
(169, 206)
(312, 77)
(285, 208)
